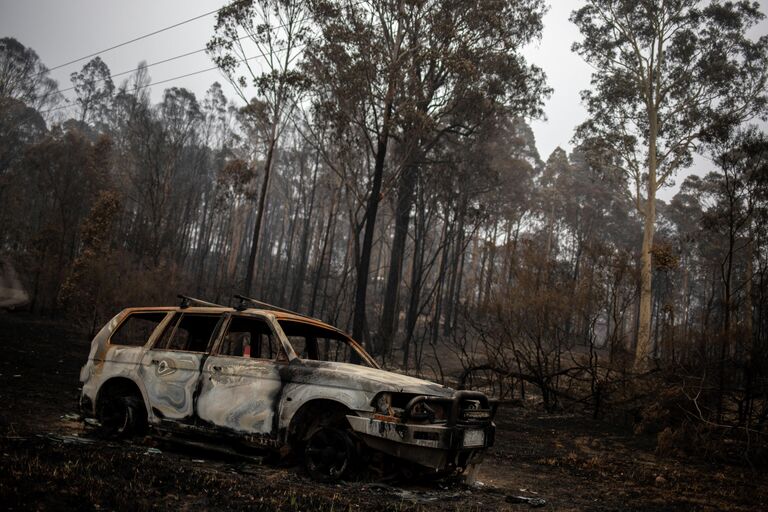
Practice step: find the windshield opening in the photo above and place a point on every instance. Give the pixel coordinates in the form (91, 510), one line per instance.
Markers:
(321, 344)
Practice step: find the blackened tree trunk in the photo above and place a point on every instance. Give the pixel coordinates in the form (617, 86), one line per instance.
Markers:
(327, 248)
(417, 275)
(301, 271)
(402, 220)
(260, 214)
(453, 288)
(372, 208)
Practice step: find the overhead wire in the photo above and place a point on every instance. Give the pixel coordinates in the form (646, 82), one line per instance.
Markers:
(151, 64)
(135, 89)
(136, 39)
(164, 61)
(95, 54)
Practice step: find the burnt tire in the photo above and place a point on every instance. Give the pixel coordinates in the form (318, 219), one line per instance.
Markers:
(330, 454)
(122, 416)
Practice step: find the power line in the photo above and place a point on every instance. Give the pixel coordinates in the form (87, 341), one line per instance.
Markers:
(206, 70)
(158, 32)
(147, 85)
(158, 62)
(136, 39)
(169, 59)
(140, 67)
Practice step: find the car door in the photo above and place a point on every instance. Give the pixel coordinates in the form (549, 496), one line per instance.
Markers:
(171, 368)
(241, 382)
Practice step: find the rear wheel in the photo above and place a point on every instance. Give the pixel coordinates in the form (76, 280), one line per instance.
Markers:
(122, 416)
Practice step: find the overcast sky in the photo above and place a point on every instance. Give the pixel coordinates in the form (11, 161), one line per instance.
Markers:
(60, 31)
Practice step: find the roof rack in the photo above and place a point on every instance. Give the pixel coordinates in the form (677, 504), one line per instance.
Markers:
(187, 301)
(243, 299)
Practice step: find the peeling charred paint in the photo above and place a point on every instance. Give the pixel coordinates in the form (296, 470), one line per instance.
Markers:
(239, 393)
(255, 400)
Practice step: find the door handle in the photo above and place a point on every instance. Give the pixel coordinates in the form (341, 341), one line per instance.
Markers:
(164, 367)
(216, 368)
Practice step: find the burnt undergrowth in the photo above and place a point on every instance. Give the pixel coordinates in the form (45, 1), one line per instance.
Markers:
(564, 455)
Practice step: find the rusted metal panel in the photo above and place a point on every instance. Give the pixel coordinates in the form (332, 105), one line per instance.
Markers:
(434, 436)
(240, 393)
(170, 379)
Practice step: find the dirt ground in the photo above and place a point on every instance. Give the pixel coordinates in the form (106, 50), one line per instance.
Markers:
(49, 462)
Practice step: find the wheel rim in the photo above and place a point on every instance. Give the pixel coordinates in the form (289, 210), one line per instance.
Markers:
(329, 453)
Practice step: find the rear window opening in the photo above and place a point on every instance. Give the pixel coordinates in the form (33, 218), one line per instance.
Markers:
(189, 332)
(136, 330)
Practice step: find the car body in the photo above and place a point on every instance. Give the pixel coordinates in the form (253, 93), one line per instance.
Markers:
(274, 379)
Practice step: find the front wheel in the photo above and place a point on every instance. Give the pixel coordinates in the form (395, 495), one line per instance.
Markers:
(329, 454)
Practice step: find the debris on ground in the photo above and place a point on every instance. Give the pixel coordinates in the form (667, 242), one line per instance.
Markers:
(533, 502)
(68, 439)
(414, 496)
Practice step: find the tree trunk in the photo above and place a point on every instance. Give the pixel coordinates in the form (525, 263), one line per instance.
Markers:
(491, 265)
(417, 274)
(445, 241)
(458, 250)
(260, 213)
(402, 220)
(748, 277)
(298, 285)
(372, 208)
(289, 255)
(327, 242)
(643, 347)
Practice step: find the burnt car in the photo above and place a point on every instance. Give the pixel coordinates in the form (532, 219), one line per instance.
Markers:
(265, 377)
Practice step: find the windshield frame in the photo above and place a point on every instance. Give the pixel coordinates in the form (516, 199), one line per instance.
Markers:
(364, 356)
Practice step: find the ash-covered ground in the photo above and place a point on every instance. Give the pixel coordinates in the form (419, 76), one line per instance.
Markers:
(51, 462)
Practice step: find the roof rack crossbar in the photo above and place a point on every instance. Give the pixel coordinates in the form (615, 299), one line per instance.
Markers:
(187, 301)
(243, 299)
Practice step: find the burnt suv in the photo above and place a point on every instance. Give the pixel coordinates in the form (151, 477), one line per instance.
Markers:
(265, 377)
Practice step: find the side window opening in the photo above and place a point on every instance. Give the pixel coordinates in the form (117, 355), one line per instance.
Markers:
(136, 330)
(249, 337)
(189, 332)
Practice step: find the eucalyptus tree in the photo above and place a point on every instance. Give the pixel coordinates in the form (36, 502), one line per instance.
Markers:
(94, 90)
(668, 75)
(25, 91)
(735, 194)
(54, 184)
(257, 44)
(412, 72)
(462, 65)
(24, 77)
(356, 67)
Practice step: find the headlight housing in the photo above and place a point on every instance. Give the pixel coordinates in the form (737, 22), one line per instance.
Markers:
(433, 411)
(394, 404)
(383, 404)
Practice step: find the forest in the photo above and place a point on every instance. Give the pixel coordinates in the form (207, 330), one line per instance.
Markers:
(376, 169)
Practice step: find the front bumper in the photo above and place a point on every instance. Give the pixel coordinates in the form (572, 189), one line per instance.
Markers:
(452, 443)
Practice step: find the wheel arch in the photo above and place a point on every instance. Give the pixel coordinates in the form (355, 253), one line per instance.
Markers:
(312, 412)
(119, 385)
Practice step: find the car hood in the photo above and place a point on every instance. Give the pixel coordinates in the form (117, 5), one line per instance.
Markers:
(370, 379)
